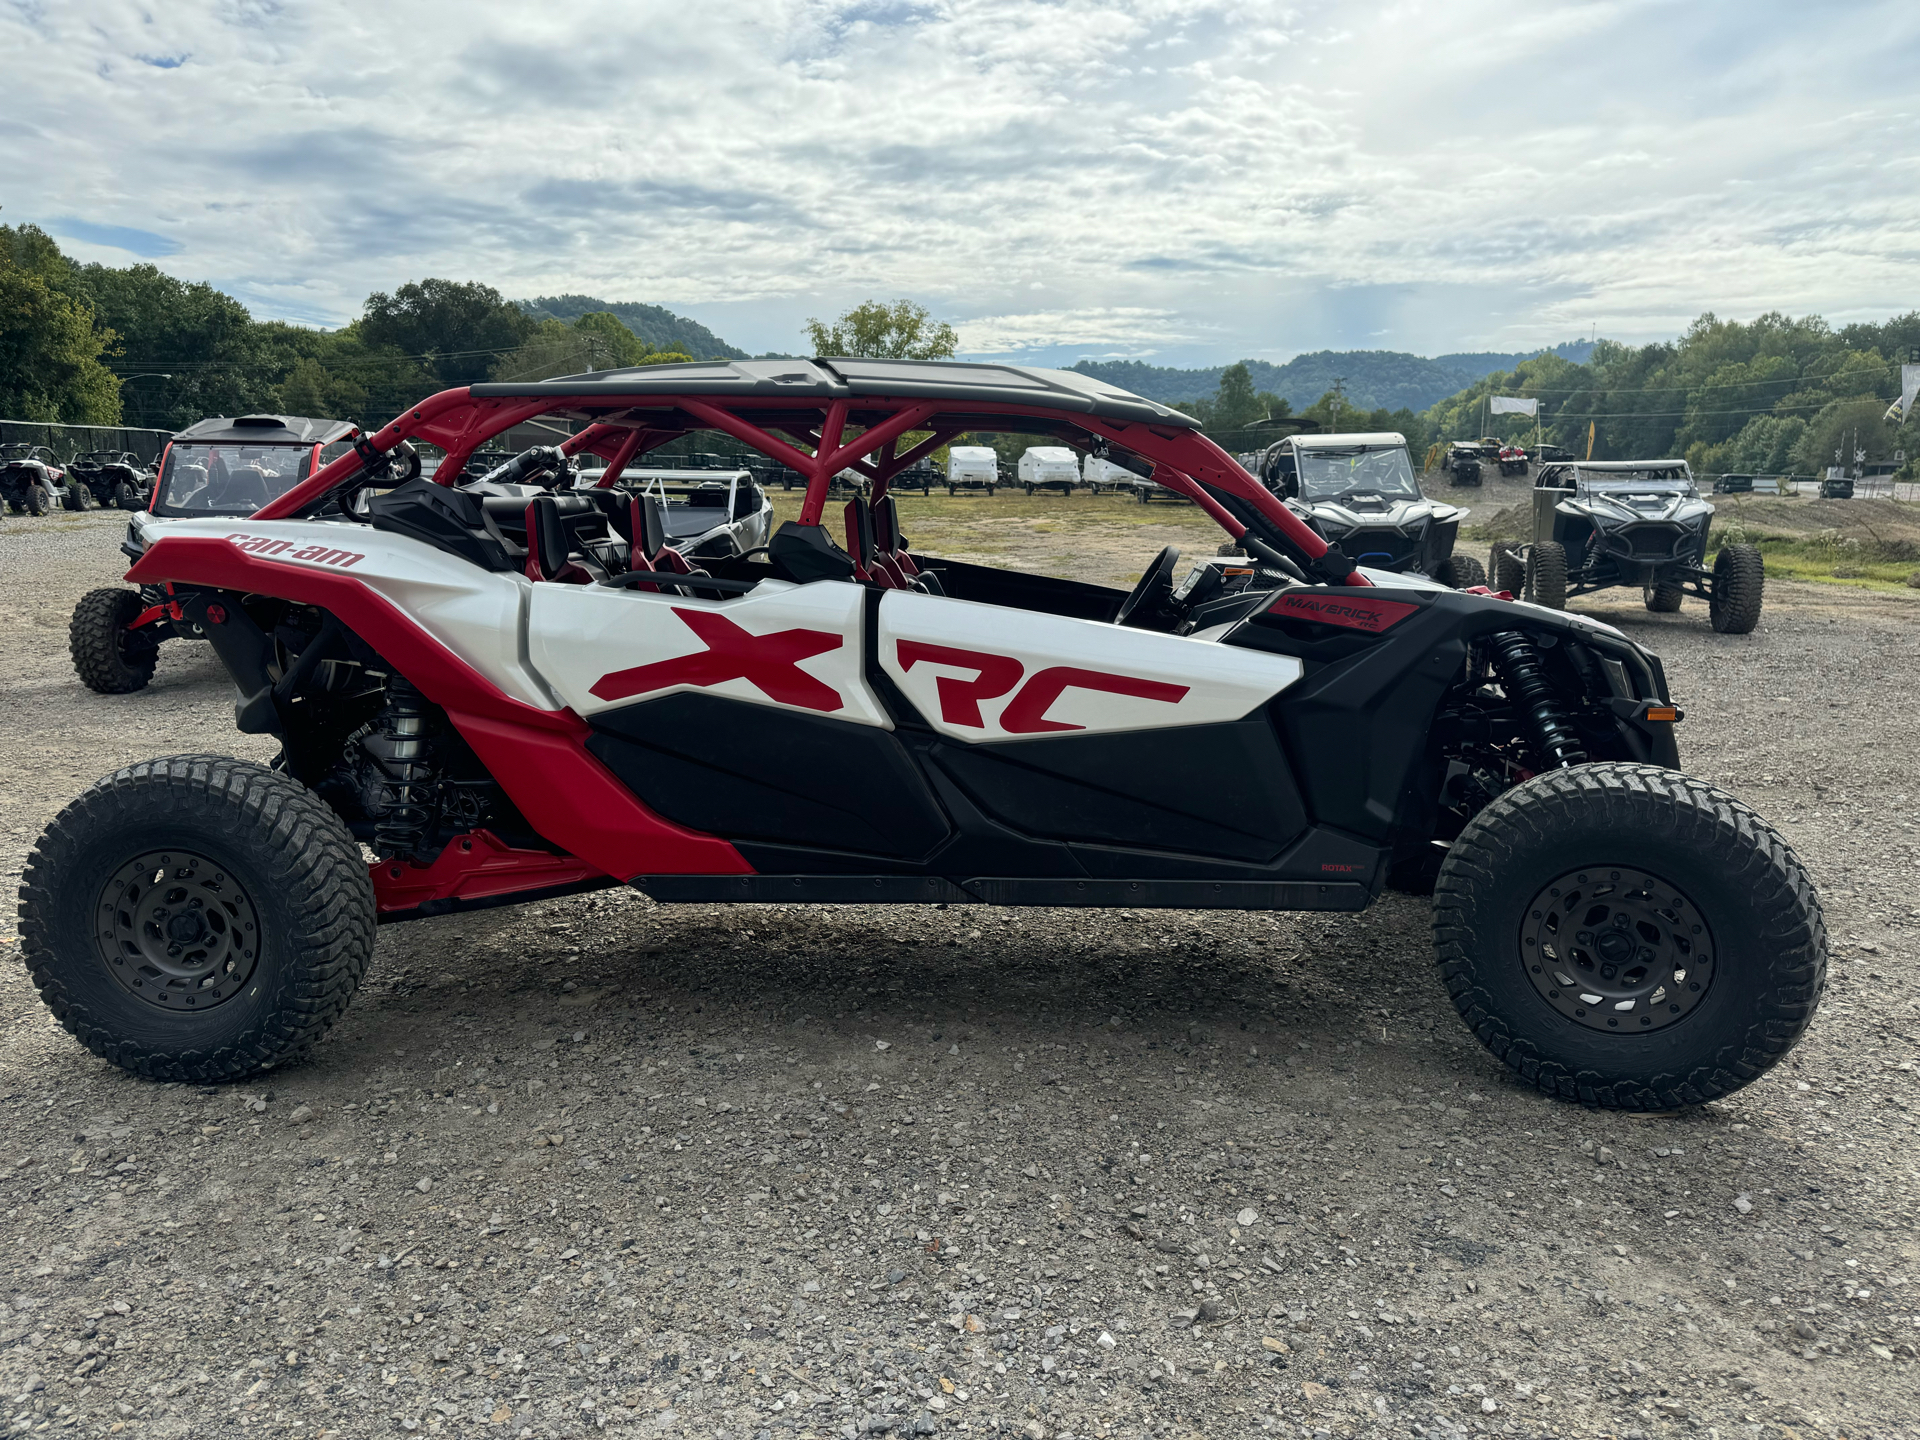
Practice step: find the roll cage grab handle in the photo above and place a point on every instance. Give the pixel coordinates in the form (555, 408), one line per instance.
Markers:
(1185, 461)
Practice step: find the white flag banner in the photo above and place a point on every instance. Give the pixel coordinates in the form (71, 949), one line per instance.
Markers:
(1512, 405)
(1910, 383)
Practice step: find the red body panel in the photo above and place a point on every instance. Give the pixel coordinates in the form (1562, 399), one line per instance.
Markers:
(539, 757)
(473, 867)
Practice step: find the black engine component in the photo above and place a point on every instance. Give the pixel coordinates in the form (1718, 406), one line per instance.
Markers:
(1518, 662)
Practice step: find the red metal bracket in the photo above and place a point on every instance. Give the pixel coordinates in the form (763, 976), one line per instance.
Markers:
(473, 867)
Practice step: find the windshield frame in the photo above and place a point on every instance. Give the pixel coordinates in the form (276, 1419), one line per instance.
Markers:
(182, 453)
(1403, 486)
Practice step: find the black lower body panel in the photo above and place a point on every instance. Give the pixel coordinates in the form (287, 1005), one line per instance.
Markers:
(844, 890)
(1012, 891)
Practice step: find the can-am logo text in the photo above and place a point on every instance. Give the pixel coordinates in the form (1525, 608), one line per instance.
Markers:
(272, 549)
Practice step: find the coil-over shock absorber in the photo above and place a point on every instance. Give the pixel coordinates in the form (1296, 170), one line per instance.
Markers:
(1517, 661)
(398, 788)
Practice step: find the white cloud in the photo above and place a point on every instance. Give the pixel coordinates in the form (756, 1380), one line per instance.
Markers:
(1197, 179)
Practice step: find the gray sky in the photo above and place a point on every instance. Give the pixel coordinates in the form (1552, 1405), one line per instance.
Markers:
(1177, 182)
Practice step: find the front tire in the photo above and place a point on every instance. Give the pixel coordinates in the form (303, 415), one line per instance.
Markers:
(1734, 597)
(1460, 572)
(106, 657)
(1661, 599)
(1509, 573)
(1723, 951)
(197, 918)
(75, 498)
(1547, 574)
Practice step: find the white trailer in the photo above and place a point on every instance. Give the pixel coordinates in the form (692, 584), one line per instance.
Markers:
(972, 467)
(1103, 475)
(1048, 467)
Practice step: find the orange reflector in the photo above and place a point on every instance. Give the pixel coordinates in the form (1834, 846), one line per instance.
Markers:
(1663, 712)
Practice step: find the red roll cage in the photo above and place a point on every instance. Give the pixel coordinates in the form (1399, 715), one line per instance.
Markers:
(622, 427)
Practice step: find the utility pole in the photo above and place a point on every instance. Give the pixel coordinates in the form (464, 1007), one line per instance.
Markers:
(1335, 409)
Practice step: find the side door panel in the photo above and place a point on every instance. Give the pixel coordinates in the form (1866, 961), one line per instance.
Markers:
(790, 647)
(1080, 732)
(768, 778)
(990, 673)
(1218, 790)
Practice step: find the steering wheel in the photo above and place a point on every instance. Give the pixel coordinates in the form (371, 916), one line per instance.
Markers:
(1151, 591)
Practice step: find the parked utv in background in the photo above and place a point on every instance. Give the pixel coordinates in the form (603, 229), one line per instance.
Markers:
(219, 467)
(1629, 522)
(1734, 485)
(1358, 492)
(1463, 463)
(1544, 452)
(31, 480)
(1513, 460)
(1837, 487)
(115, 478)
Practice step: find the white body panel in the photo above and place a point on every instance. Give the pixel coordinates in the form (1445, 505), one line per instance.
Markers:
(478, 615)
(1186, 681)
(601, 648)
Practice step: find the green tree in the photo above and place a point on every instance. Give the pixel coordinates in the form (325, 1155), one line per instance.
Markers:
(611, 345)
(203, 341)
(458, 330)
(50, 349)
(1845, 426)
(875, 329)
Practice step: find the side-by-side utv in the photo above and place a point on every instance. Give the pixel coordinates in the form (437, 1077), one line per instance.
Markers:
(1599, 524)
(484, 698)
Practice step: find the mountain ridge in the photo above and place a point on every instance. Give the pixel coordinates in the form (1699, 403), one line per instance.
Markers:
(1373, 378)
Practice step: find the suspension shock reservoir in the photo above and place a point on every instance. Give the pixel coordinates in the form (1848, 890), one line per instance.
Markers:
(1517, 660)
(398, 787)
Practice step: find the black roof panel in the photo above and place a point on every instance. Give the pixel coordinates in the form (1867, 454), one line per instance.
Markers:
(265, 430)
(849, 378)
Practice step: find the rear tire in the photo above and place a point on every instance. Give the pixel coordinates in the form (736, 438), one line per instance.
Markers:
(1507, 569)
(1734, 597)
(1547, 574)
(255, 882)
(125, 497)
(1727, 900)
(1460, 572)
(105, 657)
(75, 498)
(37, 499)
(1661, 599)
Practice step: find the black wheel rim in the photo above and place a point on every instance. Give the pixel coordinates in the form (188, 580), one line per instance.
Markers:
(1617, 950)
(177, 930)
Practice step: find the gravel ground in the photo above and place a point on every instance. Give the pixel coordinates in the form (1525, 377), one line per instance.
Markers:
(683, 1170)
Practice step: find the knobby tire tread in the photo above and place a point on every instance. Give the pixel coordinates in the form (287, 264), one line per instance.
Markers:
(1740, 583)
(1702, 816)
(93, 640)
(301, 847)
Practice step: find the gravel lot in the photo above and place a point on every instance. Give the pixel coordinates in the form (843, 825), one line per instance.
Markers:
(683, 1170)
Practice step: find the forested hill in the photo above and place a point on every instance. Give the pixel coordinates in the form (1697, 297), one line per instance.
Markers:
(1373, 379)
(658, 326)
